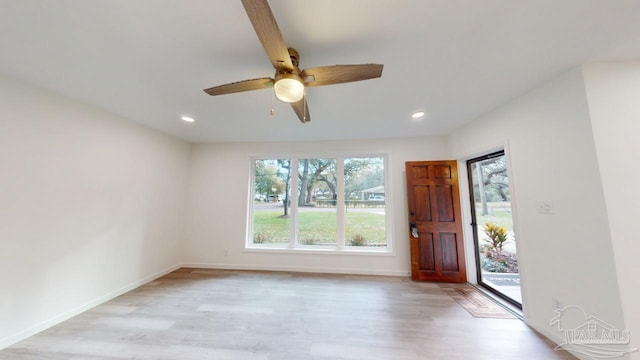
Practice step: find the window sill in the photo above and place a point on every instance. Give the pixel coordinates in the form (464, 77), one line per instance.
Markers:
(316, 251)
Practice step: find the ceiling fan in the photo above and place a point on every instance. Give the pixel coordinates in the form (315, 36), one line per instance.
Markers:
(289, 81)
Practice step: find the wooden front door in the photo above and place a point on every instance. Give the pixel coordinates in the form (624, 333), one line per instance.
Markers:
(435, 223)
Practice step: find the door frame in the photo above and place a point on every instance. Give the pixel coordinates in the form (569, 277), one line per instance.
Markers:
(474, 225)
(468, 208)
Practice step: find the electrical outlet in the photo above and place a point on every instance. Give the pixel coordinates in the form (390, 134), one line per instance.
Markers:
(226, 252)
(545, 207)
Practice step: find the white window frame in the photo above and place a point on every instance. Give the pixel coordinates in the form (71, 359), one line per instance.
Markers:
(293, 246)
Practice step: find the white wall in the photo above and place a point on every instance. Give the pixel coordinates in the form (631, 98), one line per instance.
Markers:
(90, 205)
(566, 256)
(219, 187)
(613, 90)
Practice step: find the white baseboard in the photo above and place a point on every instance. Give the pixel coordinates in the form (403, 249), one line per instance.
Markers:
(13, 339)
(322, 270)
(555, 338)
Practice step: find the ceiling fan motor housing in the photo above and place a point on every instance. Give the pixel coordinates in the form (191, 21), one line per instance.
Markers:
(295, 57)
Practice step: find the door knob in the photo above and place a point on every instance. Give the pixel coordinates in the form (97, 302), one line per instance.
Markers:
(414, 231)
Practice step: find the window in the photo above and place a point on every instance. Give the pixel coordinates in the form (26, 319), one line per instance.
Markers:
(338, 203)
(272, 180)
(365, 206)
(317, 202)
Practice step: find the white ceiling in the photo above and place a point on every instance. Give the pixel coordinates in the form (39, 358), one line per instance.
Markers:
(148, 60)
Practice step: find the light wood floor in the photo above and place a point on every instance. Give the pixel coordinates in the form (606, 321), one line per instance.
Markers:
(243, 315)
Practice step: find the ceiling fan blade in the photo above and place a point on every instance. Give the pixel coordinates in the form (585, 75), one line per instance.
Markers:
(264, 23)
(337, 74)
(302, 110)
(239, 86)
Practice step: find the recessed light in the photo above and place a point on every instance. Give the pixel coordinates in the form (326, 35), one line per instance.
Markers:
(417, 115)
(187, 119)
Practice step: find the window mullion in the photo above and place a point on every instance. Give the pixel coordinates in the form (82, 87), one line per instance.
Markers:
(251, 198)
(340, 206)
(293, 235)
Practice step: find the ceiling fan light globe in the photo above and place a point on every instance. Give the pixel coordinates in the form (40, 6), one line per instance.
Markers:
(289, 88)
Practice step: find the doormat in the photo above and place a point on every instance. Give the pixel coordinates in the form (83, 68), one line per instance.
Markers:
(475, 302)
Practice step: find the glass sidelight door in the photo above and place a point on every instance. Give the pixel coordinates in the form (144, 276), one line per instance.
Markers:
(495, 240)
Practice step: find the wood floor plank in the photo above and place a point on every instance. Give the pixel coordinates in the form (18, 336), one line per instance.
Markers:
(251, 315)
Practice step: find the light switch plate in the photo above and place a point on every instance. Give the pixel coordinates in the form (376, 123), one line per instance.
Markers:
(545, 207)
